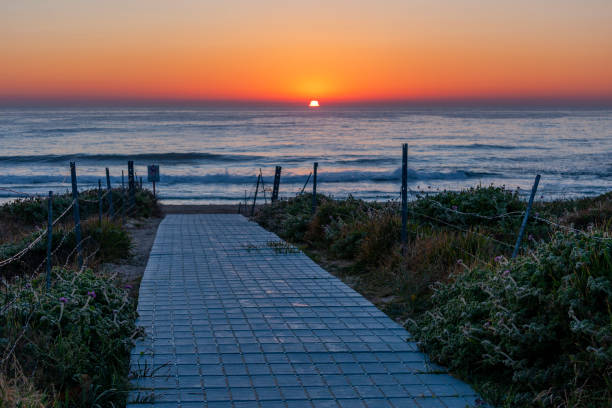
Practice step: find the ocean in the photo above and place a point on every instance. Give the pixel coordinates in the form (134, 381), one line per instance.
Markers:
(214, 155)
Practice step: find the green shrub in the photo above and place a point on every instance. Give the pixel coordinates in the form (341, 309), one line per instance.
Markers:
(75, 338)
(109, 239)
(487, 201)
(289, 219)
(107, 242)
(539, 331)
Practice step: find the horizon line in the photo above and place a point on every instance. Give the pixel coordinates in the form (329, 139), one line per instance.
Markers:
(528, 101)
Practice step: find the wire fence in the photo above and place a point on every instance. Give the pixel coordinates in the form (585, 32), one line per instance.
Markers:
(112, 204)
(461, 217)
(123, 205)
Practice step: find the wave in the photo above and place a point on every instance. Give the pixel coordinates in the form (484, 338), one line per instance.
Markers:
(486, 146)
(174, 157)
(234, 179)
(71, 130)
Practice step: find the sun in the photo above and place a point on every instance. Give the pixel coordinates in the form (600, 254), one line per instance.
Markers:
(313, 104)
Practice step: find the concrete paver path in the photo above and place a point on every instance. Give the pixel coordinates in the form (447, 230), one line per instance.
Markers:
(235, 318)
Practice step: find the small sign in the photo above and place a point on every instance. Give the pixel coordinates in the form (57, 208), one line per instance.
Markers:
(153, 173)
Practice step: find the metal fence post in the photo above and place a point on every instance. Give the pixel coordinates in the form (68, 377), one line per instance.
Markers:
(110, 195)
(314, 187)
(255, 197)
(49, 238)
(122, 181)
(404, 195)
(534, 189)
(75, 211)
(99, 202)
(277, 174)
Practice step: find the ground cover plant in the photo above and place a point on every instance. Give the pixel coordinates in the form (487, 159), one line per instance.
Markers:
(73, 340)
(68, 345)
(530, 332)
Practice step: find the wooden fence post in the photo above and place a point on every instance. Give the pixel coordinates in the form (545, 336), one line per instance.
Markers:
(49, 238)
(263, 187)
(111, 211)
(75, 211)
(314, 188)
(131, 184)
(404, 195)
(99, 202)
(534, 189)
(277, 174)
(255, 197)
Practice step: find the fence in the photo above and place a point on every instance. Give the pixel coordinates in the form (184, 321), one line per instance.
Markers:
(127, 205)
(406, 210)
(96, 206)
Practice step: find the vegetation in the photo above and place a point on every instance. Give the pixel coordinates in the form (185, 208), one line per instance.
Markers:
(68, 345)
(530, 332)
(73, 339)
(22, 221)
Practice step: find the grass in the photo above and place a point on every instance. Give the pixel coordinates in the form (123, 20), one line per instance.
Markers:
(455, 278)
(68, 345)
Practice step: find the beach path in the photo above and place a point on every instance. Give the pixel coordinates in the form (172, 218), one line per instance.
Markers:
(237, 318)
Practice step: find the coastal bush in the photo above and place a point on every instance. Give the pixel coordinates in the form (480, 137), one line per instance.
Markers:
(535, 332)
(21, 217)
(74, 338)
(457, 207)
(106, 243)
(289, 219)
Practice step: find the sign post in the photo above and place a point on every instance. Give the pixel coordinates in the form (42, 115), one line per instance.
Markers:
(153, 175)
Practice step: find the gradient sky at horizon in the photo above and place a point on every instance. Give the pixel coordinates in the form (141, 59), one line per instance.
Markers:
(297, 50)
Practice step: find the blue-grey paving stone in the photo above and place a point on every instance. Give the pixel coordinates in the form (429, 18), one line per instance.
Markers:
(232, 323)
(404, 403)
(328, 403)
(299, 404)
(430, 403)
(351, 403)
(457, 402)
(377, 403)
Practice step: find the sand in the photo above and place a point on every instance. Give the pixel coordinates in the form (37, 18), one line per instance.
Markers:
(205, 209)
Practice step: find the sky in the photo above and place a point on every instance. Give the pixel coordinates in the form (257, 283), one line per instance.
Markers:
(293, 51)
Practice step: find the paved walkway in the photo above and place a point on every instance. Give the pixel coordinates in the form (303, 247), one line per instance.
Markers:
(236, 319)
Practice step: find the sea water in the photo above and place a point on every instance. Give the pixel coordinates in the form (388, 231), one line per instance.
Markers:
(209, 155)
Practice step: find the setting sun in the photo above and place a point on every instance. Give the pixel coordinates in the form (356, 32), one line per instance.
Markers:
(313, 104)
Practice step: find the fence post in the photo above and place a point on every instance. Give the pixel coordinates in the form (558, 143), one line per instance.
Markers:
(140, 182)
(263, 187)
(277, 174)
(314, 187)
(99, 202)
(404, 195)
(255, 197)
(110, 195)
(122, 181)
(75, 211)
(49, 238)
(131, 184)
(534, 189)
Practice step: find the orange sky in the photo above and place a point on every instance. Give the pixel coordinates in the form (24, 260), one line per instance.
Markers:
(297, 50)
